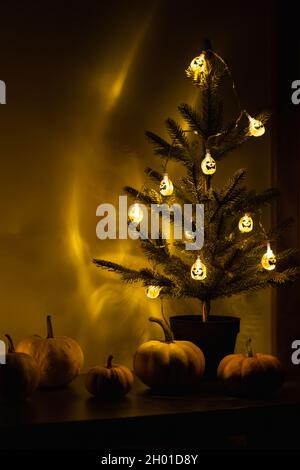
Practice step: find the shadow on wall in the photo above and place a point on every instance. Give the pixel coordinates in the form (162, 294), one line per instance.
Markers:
(72, 137)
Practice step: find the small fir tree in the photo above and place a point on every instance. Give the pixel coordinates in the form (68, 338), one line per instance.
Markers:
(236, 257)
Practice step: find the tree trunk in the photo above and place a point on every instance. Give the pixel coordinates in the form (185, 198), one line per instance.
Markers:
(205, 309)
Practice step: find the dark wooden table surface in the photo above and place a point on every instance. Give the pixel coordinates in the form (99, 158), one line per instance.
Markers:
(71, 419)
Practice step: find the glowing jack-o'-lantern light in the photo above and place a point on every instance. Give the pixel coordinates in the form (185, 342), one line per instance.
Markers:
(198, 270)
(208, 164)
(198, 64)
(166, 186)
(153, 292)
(135, 213)
(246, 223)
(268, 260)
(256, 127)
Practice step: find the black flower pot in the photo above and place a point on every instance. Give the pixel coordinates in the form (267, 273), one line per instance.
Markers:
(216, 337)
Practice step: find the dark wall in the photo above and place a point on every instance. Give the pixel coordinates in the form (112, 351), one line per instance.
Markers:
(286, 169)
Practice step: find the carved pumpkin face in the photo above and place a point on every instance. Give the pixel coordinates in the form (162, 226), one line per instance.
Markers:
(268, 260)
(166, 186)
(198, 63)
(246, 224)
(208, 165)
(198, 68)
(198, 270)
(272, 261)
(256, 127)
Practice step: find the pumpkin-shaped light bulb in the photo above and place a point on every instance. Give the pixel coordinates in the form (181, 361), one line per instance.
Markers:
(135, 213)
(246, 223)
(198, 270)
(153, 292)
(198, 64)
(166, 186)
(268, 260)
(208, 164)
(256, 127)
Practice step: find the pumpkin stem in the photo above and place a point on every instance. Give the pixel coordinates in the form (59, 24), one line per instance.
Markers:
(11, 347)
(109, 362)
(167, 330)
(249, 350)
(205, 310)
(49, 327)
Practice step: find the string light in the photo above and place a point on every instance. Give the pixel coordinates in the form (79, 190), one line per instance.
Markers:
(153, 292)
(246, 224)
(198, 270)
(135, 213)
(166, 186)
(268, 260)
(198, 64)
(208, 164)
(256, 127)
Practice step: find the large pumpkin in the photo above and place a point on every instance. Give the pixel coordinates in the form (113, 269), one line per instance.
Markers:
(251, 374)
(169, 364)
(112, 381)
(59, 358)
(19, 376)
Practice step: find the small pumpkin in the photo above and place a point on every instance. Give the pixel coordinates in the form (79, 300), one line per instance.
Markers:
(112, 381)
(19, 376)
(251, 374)
(59, 358)
(169, 364)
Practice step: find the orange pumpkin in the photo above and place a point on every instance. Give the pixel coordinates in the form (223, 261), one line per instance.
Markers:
(59, 358)
(169, 364)
(112, 381)
(251, 374)
(19, 376)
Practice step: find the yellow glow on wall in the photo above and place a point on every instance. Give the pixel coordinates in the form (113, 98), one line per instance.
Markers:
(58, 167)
(111, 83)
(79, 250)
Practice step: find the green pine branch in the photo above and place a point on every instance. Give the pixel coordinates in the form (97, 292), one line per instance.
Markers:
(193, 119)
(252, 201)
(233, 259)
(156, 251)
(148, 196)
(229, 193)
(166, 150)
(146, 276)
(177, 134)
